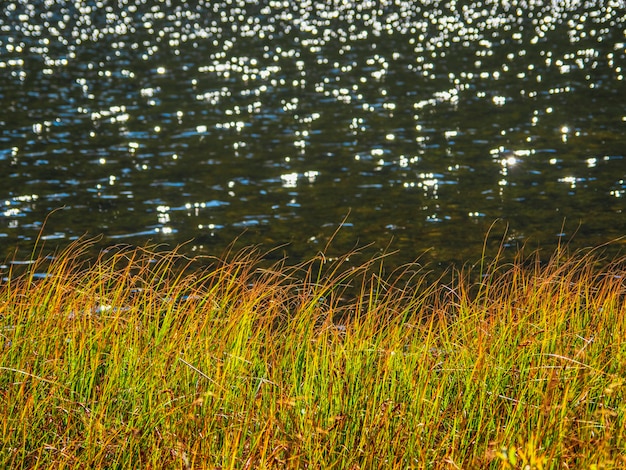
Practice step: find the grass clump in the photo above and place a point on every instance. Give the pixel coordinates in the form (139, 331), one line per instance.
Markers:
(143, 359)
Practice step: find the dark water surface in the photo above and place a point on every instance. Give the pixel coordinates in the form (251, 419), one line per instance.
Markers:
(424, 121)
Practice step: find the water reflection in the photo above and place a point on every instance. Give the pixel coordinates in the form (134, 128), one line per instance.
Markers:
(424, 120)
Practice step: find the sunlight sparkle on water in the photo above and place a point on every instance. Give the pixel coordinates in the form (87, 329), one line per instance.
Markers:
(484, 109)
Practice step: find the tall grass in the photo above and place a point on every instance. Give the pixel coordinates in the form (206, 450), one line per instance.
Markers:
(149, 360)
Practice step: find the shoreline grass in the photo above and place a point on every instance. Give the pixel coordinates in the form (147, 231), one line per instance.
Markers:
(139, 359)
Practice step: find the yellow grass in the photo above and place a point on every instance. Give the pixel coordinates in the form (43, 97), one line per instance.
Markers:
(141, 359)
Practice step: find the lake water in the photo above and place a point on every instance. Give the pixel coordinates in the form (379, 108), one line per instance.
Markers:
(419, 123)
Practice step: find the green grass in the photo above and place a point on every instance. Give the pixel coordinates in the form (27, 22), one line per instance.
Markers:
(140, 359)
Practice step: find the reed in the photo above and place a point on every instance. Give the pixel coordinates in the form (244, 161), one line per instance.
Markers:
(149, 359)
